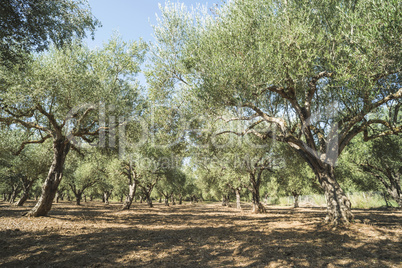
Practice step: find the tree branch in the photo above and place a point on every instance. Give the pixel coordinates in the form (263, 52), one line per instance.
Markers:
(31, 142)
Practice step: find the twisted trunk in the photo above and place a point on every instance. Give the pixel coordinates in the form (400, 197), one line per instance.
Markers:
(130, 197)
(61, 148)
(338, 204)
(25, 194)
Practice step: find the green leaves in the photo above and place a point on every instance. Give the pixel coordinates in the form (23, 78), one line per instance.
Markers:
(32, 25)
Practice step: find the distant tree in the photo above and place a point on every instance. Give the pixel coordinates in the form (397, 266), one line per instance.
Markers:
(294, 176)
(82, 173)
(23, 170)
(378, 165)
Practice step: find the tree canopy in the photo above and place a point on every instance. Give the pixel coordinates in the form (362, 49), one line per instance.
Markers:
(32, 25)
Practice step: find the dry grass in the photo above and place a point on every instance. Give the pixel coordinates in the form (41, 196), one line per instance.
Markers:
(201, 235)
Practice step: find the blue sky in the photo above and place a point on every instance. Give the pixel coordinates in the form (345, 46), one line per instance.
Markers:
(133, 19)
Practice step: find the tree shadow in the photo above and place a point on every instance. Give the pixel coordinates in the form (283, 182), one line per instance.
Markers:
(201, 236)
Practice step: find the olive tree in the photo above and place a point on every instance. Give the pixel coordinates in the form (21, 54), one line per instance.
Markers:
(312, 71)
(66, 95)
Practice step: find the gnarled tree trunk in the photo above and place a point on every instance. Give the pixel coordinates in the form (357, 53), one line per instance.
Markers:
(61, 148)
(338, 204)
(25, 192)
(130, 197)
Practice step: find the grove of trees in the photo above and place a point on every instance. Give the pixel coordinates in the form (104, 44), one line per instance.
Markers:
(301, 95)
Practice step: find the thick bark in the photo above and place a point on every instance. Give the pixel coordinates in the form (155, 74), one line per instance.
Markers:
(338, 204)
(180, 200)
(172, 199)
(238, 204)
(130, 197)
(166, 201)
(61, 148)
(25, 192)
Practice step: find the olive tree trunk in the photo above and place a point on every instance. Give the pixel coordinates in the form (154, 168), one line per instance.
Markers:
(255, 190)
(14, 193)
(25, 192)
(130, 197)
(149, 199)
(338, 204)
(78, 198)
(61, 148)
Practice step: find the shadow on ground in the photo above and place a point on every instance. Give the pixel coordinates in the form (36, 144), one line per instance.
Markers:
(195, 236)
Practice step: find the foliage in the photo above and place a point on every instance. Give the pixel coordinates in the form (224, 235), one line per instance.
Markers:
(32, 25)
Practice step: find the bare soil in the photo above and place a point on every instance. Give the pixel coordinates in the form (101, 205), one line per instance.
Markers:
(195, 235)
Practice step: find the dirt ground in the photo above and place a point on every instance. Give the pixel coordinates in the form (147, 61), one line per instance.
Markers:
(195, 235)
